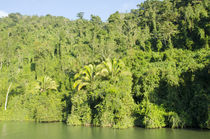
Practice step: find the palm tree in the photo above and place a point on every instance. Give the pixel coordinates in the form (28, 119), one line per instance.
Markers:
(109, 68)
(85, 77)
(47, 84)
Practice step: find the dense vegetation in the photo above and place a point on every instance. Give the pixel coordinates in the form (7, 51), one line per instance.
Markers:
(148, 68)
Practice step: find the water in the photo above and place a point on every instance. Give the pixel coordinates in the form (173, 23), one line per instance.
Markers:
(31, 130)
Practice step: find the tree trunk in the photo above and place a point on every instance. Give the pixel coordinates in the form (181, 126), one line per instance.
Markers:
(7, 96)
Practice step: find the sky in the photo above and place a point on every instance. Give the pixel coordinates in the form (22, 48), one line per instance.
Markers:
(67, 8)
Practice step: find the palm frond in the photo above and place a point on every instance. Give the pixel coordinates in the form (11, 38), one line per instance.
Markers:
(82, 85)
(77, 83)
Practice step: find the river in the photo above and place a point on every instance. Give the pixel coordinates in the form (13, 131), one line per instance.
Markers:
(31, 130)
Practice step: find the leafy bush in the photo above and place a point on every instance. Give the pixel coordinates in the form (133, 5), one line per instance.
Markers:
(154, 116)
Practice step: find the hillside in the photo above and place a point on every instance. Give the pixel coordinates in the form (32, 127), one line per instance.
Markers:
(148, 68)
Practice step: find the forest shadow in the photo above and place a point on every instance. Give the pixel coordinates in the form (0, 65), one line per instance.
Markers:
(189, 99)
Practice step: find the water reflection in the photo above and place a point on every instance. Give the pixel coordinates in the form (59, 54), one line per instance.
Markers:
(31, 130)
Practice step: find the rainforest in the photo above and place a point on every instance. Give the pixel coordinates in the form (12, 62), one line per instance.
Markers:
(147, 68)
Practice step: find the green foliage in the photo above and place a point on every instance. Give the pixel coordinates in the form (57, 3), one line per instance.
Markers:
(148, 67)
(159, 45)
(85, 77)
(153, 115)
(80, 110)
(109, 104)
(174, 120)
(46, 108)
(117, 107)
(208, 121)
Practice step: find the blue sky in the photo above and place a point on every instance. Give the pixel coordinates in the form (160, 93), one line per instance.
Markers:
(67, 8)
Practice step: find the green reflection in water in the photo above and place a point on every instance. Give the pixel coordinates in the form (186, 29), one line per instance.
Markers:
(31, 130)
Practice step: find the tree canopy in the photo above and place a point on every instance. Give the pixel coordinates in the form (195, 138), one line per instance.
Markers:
(149, 67)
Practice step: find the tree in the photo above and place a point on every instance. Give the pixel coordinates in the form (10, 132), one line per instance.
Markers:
(7, 96)
(85, 77)
(96, 20)
(100, 68)
(80, 15)
(46, 83)
(109, 68)
(167, 30)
